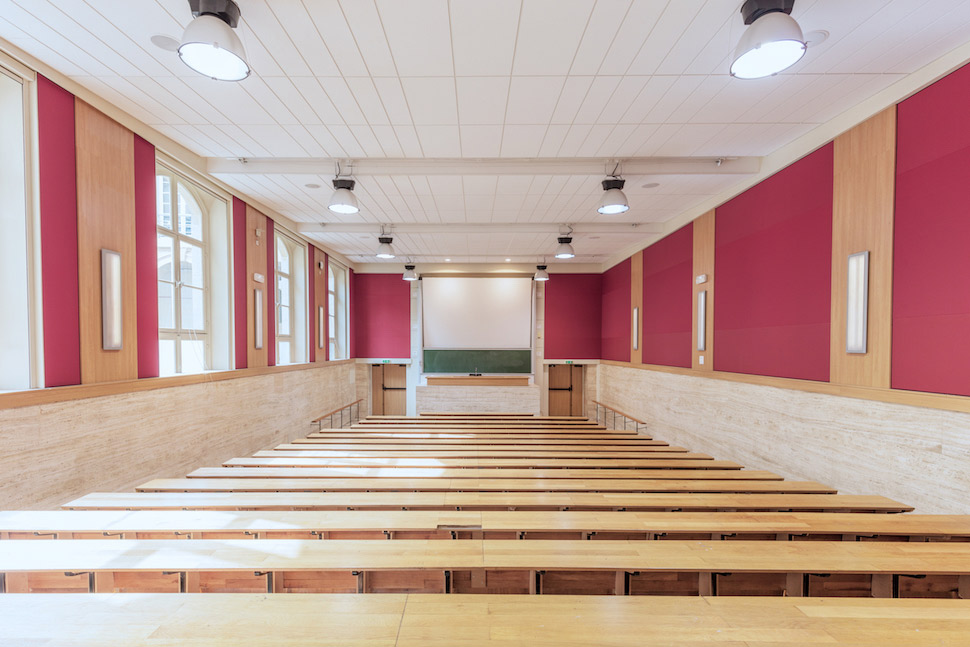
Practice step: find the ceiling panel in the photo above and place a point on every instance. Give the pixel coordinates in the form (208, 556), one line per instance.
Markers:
(502, 79)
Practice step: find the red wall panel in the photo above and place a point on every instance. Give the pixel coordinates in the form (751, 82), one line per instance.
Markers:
(311, 268)
(773, 267)
(239, 280)
(146, 259)
(573, 316)
(617, 313)
(382, 315)
(931, 273)
(668, 279)
(58, 234)
(271, 292)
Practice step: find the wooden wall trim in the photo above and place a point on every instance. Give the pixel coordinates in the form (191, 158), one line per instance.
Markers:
(256, 257)
(636, 301)
(106, 220)
(703, 264)
(862, 220)
(18, 399)
(878, 394)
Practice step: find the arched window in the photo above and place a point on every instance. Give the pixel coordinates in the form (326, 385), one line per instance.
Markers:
(291, 318)
(337, 310)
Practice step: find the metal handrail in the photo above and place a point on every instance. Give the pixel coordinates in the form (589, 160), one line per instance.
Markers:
(626, 418)
(350, 419)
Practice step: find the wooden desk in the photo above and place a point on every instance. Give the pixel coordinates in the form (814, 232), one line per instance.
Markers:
(394, 620)
(479, 380)
(363, 524)
(445, 442)
(527, 431)
(381, 435)
(433, 473)
(357, 452)
(415, 446)
(478, 485)
(474, 501)
(278, 458)
(583, 567)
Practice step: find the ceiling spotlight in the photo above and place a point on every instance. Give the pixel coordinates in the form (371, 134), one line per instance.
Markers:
(772, 42)
(541, 273)
(343, 199)
(384, 250)
(409, 273)
(447, 260)
(614, 200)
(210, 46)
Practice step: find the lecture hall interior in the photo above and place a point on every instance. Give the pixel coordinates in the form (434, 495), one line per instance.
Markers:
(399, 323)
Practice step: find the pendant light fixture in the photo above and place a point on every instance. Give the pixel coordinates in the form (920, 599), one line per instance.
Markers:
(772, 42)
(541, 273)
(614, 200)
(384, 249)
(210, 46)
(565, 249)
(409, 273)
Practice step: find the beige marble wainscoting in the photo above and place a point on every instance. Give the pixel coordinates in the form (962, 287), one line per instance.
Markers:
(485, 399)
(916, 455)
(58, 451)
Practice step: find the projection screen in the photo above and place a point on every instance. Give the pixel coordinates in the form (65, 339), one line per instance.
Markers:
(477, 313)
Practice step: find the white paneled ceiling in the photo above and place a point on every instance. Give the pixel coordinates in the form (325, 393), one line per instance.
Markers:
(417, 79)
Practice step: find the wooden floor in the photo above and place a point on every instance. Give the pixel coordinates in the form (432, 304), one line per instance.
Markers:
(550, 530)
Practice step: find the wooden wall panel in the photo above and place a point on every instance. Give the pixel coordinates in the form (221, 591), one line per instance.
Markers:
(703, 264)
(256, 264)
(636, 301)
(106, 444)
(862, 219)
(106, 220)
(320, 299)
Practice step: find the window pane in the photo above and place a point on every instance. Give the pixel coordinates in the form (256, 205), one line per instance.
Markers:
(283, 356)
(330, 305)
(191, 267)
(193, 309)
(330, 279)
(166, 305)
(282, 257)
(283, 291)
(284, 321)
(190, 215)
(166, 246)
(166, 357)
(333, 352)
(163, 201)
(193, 355)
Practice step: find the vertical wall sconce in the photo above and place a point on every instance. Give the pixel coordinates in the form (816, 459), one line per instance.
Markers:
(636, 328)
(321, 316)
(111, 313)
(258, 315)
(857, 303)
(702, 320)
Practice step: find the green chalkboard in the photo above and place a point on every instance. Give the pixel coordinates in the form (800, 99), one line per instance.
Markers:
(477, 361)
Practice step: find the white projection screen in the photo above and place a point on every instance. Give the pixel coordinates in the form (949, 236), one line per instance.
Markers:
(477, 313)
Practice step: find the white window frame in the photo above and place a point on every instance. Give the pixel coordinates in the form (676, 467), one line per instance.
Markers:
(177, 333)
(338, 320)
(298, 326)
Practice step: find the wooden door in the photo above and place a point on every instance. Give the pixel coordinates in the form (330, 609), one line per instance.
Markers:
(389, 389)
(565, 390)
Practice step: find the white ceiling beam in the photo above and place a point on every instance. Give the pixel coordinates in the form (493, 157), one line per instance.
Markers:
(480, 228)
(491, 166)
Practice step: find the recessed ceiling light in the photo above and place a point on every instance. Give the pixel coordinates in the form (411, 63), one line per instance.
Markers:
(168, 43)
(650, 185)
(508, 260)
(447, 260)
(312, 186)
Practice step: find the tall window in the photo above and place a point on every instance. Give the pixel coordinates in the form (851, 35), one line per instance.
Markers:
(291, 317)
(183, 303)
(337, 310)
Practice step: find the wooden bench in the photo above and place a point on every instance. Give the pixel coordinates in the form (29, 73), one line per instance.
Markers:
(418, 524)
(475, 473)
(500, 620)
(352, 446)
(444, 443)
(279, 458)
(514, 432)
(480, 501)
(478, 485)
(794, 569)
(463, 435)
(310, 450)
